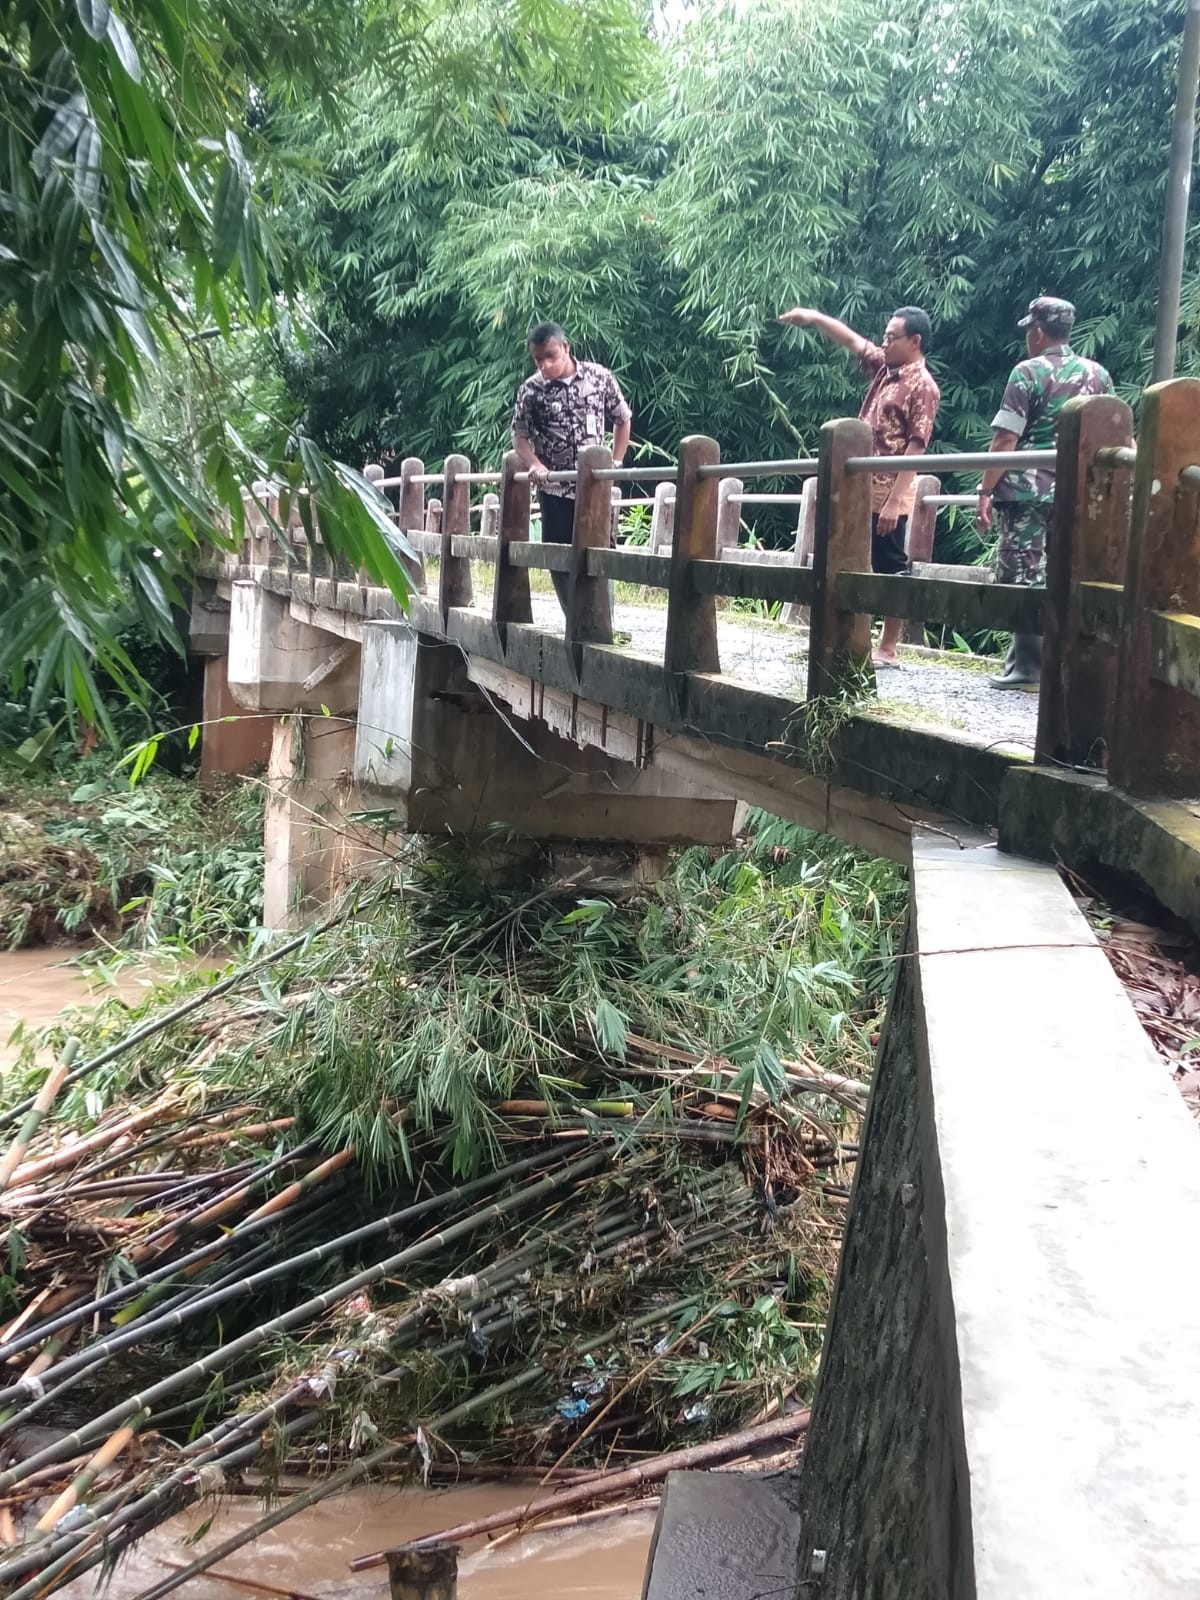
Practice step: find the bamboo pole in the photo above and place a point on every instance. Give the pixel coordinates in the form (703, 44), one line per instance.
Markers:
(68, 1552)
(45, 1554)
(218, 1359)
(103, 1136)
(235, 1236)
(255, 1584)
(43, 1100)
(213, 1211)
(623, 1508)
(78, 1488)
(350, 1474)
(652, 1471)
(285, 1197)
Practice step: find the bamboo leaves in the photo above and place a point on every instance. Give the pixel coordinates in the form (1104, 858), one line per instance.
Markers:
(94, 14)
(610, 1028)
(229, 218)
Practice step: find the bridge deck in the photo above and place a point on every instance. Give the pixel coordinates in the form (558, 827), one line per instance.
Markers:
(942, 690)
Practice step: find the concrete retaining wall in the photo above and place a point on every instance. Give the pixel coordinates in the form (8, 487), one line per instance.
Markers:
(1009, 1403)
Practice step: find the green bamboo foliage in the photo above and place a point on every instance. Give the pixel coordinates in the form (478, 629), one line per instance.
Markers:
(651, 1105)
(956, 155)
(140, 243)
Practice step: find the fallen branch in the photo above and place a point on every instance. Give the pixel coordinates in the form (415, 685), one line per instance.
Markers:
(652, 1471)
(45, 1098)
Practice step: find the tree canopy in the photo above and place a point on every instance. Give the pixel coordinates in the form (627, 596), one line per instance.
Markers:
(141, 192)
(252, 238)
(963, 157)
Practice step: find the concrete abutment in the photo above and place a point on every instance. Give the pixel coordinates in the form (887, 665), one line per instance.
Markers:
(1007, 1403)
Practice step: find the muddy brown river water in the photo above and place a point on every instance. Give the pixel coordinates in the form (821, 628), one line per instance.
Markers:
(601, 1560)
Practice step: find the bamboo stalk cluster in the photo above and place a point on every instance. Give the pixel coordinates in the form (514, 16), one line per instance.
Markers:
(215, 1280)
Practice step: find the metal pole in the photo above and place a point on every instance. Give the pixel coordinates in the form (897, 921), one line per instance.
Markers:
(1179, 183)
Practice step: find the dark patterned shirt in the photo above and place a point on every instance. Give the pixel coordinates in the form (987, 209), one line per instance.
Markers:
(1037, 391)
(560, 415)
(901, 407)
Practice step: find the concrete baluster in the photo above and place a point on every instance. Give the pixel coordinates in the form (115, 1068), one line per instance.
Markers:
(662, 519)
(511, 600)
(454, 586)
(374, 474)
(410, 516)
(691, 642)
(588, 610)
(918, 542)
(839, 642)
(257, 526)
(489, 516)
(1156, 731)
(1089, 543)
(295, 534)
(729, 514)
(922, 525)
(806, 521)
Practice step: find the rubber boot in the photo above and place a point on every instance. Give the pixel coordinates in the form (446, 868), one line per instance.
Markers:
(1023, 666)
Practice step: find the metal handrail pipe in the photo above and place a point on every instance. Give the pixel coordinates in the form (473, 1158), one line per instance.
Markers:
(806, 468)
(949, 499)
(439, 477)
(766, 499)
(555, 477)
(974, 461)
(1112, 457)
(631, 475)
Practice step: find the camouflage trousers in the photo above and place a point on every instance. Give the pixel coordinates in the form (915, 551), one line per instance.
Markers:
(1024, 527)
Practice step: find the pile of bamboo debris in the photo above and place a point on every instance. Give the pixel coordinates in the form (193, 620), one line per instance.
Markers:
(193, 1302)
(1160, 970)
(238, 1245)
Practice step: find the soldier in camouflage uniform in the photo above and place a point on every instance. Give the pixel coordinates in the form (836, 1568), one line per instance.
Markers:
(1038, 388)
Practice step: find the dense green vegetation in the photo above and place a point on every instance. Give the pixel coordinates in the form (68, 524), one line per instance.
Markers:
(81, 855)
(837, 153)
(777, 950)
(239, 234)
(140, 197)
(490, 1162)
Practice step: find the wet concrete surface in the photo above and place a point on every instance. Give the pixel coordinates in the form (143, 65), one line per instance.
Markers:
(941, 691)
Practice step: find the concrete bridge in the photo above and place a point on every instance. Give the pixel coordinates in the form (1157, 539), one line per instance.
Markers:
(1008, 1402)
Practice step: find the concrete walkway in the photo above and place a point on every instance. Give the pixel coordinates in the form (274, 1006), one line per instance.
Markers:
(942, 691)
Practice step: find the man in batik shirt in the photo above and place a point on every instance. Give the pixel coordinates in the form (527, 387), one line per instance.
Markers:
(565, 405)
(901, 407)
(1038, 389)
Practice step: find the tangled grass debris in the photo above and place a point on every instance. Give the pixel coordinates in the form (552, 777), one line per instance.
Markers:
(83, 854)
(513, 1175)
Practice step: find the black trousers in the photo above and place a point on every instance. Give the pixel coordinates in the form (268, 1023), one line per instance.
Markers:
(887, 549)
(558, 527)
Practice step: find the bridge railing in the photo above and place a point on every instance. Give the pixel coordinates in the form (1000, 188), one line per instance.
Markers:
(1120, 613)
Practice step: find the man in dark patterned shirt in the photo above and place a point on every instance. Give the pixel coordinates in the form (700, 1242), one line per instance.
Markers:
(565, 405)
(901, 407)
(1038, 388)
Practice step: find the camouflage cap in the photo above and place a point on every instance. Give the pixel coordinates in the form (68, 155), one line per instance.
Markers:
(1055, 315)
